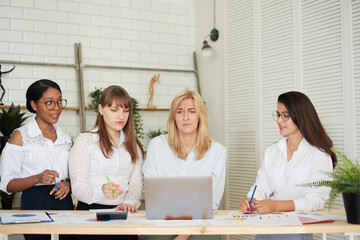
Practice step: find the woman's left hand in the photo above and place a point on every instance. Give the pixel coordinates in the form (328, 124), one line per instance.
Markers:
(126, 207)
(265, 206)
(182, 237)
(63, 190)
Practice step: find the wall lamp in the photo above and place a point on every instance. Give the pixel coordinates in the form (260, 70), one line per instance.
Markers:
(206, 49)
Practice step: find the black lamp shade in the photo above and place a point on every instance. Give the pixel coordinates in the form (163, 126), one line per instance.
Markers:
(214, 35)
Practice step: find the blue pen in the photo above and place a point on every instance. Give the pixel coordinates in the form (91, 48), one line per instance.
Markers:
(56, 186)
(252, 196)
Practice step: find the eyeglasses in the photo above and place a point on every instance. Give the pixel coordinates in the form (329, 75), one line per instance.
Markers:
(50, 105)
(285, 116)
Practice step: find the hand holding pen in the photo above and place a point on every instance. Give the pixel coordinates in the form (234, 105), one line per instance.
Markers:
(245, 204)
(48, 177)
(111, 190)
(252, 196)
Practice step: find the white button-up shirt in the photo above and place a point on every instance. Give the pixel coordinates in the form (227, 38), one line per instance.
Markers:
(35, 155)
(161, 161)
(89, 168)
(279, 179)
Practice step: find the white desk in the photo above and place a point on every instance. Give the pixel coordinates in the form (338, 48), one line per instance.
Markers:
(143, 227)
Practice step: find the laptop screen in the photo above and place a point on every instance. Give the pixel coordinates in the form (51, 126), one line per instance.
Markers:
(187, 197)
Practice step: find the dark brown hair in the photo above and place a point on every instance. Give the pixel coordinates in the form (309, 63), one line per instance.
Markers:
(304, 115)
(122, 99)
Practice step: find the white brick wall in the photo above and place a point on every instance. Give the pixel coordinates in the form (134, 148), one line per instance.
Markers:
(137, 33)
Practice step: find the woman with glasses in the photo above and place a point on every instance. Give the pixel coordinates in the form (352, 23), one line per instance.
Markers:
(300, 157)
(105, 162)
(35, 159)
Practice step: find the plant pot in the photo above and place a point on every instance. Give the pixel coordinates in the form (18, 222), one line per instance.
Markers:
(6, 203)
(352, 207)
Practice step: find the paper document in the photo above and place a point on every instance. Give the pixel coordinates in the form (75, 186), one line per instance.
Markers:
(32, 217)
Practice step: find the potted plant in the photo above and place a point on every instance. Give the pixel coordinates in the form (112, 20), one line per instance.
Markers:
(9, 121)
(95, 98)
(345, 180)
(156, 132)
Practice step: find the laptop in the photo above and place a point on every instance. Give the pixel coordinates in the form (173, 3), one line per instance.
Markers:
(178, 197)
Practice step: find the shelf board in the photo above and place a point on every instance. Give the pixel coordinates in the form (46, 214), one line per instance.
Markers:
(93, 108)
(24, 107)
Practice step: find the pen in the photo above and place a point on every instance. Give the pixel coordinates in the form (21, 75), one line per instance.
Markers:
(108, 179)
(56, 186)
(252, 196)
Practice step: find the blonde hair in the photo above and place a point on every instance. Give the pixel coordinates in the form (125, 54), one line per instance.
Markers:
(203, 139)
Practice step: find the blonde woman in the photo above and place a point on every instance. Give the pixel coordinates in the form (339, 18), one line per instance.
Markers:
(188, 150)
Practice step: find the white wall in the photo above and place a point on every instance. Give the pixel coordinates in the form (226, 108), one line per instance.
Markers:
(211, 69)
(138, 33)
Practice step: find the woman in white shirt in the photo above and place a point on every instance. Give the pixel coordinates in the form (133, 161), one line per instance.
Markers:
(35, 160)
(111, 150)
(188, 150)
(300, 157)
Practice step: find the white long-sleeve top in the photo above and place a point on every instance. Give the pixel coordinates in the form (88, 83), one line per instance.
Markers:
(35, 155)
(161, 161)
(279, 179)
(89, 168)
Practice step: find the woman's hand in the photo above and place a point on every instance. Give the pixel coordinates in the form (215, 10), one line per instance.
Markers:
(63, 190)
(265, 206)
(47, 177)
(108, 190)
(182, 237)
(244, 205)
(126, 207)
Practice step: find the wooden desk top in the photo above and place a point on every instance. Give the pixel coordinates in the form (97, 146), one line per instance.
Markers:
(142, 227)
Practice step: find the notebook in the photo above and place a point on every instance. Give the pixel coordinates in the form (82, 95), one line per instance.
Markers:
(178, 197)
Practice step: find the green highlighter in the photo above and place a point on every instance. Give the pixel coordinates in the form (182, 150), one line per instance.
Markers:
(108, 179)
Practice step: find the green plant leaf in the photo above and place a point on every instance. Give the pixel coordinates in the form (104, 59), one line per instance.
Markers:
(156, 132)
(11, 120)
(345, 178)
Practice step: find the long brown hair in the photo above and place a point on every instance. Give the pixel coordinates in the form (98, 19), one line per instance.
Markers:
(304, 115)
(203, 139)
(122, 99)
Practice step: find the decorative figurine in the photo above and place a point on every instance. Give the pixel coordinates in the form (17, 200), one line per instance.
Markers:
(1, 86)
(154, 80)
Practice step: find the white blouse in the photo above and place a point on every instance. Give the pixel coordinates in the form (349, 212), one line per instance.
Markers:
(89, 168)
(35, 155)
(279, 179)
(161, 161)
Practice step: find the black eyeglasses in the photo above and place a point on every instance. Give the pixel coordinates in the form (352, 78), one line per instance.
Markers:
(50, 105)
(285, 116)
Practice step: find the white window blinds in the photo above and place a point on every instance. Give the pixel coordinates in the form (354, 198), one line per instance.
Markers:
(276, 46)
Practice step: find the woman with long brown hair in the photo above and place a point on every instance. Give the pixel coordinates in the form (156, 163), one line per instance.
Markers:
(300, 157)
(109, 150)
